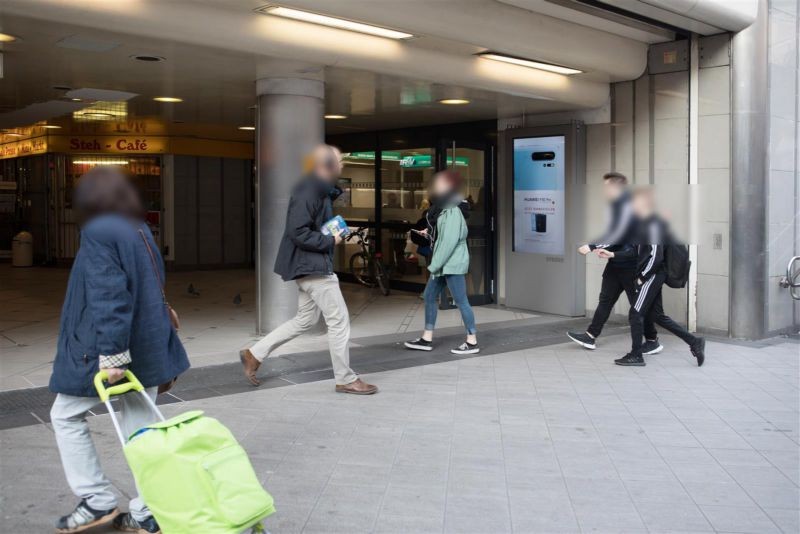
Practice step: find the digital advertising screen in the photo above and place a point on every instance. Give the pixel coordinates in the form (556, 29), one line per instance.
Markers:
(539, 195)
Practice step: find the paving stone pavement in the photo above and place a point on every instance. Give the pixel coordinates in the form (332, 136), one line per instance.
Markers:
(213, 328)
(548, 439)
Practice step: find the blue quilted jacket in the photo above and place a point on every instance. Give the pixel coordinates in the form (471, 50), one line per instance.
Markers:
(114, 309)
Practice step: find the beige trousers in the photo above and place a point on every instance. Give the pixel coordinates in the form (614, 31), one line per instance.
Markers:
(317, 295)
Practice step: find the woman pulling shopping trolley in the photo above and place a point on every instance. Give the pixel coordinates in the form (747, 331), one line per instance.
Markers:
(117, 328)
(114, 318)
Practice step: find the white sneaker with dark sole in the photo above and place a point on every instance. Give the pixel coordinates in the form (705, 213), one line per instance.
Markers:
(466, 348)
(419, 344)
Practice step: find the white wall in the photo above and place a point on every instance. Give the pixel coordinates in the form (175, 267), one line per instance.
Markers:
(714, 173)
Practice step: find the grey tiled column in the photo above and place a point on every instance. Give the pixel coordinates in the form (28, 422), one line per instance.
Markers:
(289, 124)
(750, 134)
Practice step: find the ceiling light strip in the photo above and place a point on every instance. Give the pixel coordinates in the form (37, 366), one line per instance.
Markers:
(333, 22)
(530, 63)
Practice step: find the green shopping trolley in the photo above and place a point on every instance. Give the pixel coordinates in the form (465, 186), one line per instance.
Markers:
(191, 472)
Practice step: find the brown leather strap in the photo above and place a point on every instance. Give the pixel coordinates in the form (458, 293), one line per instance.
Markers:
(155, 266)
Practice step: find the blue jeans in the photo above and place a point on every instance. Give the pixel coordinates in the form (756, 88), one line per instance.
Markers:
(458, 288)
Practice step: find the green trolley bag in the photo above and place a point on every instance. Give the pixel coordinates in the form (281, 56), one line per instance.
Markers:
(192, 473)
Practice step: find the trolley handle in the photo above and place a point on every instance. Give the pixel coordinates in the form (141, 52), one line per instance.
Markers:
(133, 384)
(105, 393)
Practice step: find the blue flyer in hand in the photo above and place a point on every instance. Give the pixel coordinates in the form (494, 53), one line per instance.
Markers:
(337, 224)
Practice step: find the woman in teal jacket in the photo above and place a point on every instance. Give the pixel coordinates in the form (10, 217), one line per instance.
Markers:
(447, 230)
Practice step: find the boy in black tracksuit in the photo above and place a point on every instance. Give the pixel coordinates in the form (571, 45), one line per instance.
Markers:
(649, 280)
(620, 271)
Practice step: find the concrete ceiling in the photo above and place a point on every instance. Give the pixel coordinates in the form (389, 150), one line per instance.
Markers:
(216, 49)
(218, 86)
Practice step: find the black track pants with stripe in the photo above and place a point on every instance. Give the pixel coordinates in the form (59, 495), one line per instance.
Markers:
(648, 307)
(615, 281)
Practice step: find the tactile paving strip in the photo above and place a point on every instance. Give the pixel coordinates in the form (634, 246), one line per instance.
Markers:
(382, 353)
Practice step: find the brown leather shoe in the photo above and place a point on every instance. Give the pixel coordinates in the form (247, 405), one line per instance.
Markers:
(357, 387)
(250, 365)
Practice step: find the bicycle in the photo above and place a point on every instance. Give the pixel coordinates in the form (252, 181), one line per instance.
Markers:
(366, 266)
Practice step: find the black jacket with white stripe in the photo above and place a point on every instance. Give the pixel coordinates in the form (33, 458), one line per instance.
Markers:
(647, 252)
(650, 248)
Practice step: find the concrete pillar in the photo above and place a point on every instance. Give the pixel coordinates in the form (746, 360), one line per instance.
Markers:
(749, 137)
(289, 124)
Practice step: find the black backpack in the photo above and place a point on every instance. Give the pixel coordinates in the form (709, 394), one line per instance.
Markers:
(676, 263)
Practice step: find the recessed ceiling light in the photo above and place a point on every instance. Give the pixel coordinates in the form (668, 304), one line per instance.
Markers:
(335, 117)
(148, 58)
(14, 134)
(51, 126)
(8, 38)
(169, 99)
(76, 99)
(96, 114)
(247, 128)
(558, 69)
(454, 101)
(334, 22)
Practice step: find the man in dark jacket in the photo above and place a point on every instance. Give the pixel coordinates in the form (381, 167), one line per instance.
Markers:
(620, 269)
(114, 318)
(305, 256)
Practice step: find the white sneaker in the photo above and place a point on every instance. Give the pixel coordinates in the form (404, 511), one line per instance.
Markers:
(419, 344)
(466, 348)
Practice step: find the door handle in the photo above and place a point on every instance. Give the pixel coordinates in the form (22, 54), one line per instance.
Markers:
(792, 279)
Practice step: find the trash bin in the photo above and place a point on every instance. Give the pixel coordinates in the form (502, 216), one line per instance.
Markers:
(22, 250)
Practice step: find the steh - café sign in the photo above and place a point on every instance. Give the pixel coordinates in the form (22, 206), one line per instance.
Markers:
(115, 145)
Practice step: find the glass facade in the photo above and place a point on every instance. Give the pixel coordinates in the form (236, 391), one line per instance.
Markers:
(385, 181)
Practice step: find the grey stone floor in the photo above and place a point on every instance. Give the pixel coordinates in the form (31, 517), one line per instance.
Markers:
(551, 439)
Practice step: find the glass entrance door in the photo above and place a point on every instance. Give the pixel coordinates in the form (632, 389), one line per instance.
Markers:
(386, 183)
(474, 161)
(405, 177)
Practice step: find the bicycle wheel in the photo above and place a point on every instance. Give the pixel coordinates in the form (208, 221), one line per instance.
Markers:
(359, 268)
(382, 277)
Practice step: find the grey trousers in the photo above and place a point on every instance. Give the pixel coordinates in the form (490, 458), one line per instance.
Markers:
(78, 454)
(317, 295)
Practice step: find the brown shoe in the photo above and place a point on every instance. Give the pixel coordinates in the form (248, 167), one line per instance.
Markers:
(250, 365)
(357, 387)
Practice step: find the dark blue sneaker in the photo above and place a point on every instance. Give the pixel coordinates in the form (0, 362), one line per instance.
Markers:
(84, 517)
(126, 523)
(631, 360)
(651, 346)
(698, 349)
(583, 339)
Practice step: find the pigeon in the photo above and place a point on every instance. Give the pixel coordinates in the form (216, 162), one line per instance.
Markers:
(237, 299)
(192, 291)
